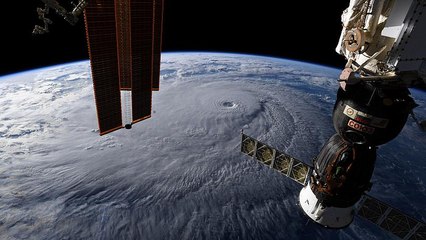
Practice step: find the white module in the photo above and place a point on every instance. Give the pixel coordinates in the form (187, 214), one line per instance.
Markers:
(385, 38)
(332, 217)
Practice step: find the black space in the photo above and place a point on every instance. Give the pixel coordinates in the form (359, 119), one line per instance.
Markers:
(300, 30)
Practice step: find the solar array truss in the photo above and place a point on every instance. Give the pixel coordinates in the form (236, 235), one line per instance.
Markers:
(391, 219)
(124, 42)
(285, 164)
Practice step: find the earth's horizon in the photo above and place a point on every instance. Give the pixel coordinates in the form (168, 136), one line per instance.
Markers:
(179, 174)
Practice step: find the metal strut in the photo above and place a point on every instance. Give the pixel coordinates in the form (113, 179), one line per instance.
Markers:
(70, 16)
(42, 16)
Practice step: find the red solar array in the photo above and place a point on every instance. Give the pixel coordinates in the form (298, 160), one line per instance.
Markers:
(124, 38)
(122, 16)
(101, 39)
(158, 30)
(142, 13)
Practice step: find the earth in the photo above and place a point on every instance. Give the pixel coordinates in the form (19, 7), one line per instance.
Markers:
(179, 174)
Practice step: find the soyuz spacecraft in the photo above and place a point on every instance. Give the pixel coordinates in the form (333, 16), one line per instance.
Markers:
(384, 44)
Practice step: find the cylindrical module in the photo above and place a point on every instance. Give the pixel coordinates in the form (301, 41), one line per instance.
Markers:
(370, 114)
(342, 173)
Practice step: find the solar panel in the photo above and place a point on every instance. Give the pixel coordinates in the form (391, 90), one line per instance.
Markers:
(285, 164)
(420, 233)
(124, 50)
(101, 38)
(124, 39)
(391, 219)
(299, 171)
(158, 30)
(265, 154)
(248, 145)
(142, 14)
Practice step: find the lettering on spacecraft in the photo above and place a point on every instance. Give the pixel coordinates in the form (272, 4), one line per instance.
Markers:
(360, 127)
(360, 120)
